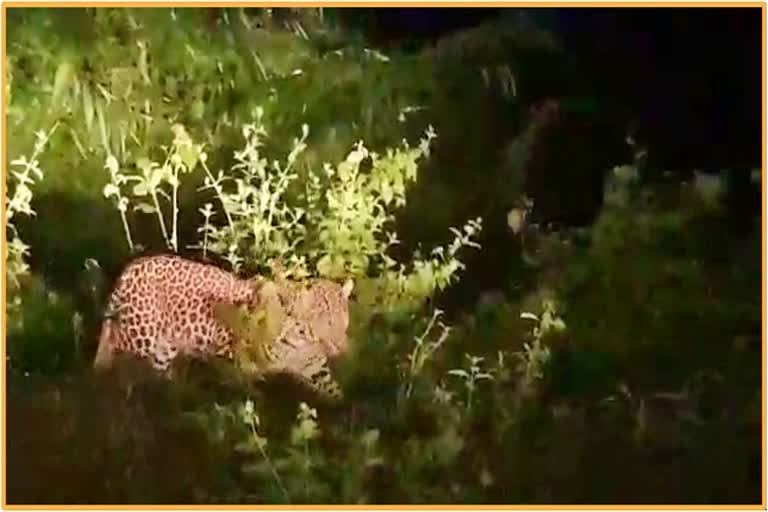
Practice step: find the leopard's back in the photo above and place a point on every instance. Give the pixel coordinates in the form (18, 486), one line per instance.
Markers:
(161, 305)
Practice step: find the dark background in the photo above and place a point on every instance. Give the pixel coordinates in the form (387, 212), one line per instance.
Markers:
(692, 75)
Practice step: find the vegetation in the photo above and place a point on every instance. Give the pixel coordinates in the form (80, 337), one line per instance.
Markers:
(619, 364)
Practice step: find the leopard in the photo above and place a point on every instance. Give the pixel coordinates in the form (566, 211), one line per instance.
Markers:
(322, 303)
(162, 306)
(287, 345)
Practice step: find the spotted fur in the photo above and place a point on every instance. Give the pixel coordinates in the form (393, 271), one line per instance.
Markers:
(162, 306)
(289, 346)
(322, 304)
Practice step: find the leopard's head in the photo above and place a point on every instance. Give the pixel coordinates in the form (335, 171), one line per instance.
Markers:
(332, 325)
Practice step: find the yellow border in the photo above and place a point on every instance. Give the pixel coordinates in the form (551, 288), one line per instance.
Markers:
(450, 4)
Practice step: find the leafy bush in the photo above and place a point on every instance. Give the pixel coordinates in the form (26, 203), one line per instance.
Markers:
(45, 333)
(337, 223)
(19, 202)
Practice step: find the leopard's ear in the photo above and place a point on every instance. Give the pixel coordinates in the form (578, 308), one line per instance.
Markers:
(347, 288)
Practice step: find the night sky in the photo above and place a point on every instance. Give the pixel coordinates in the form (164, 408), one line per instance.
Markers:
(691, 75)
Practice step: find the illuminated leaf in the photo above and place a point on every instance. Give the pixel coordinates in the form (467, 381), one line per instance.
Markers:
(145, 208)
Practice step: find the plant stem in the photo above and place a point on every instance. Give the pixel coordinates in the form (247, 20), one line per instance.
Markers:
(306, 468)
(160, 218)
(271, 467)
(126, 227)
(219, 193)
(175, 239)
(205, 237)
(420, 353)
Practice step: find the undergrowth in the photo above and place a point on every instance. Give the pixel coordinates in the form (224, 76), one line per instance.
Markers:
(626, 371)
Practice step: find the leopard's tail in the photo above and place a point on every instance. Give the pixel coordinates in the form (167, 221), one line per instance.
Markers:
(105, 353)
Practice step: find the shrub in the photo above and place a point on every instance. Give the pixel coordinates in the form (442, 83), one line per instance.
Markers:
(25, 173)
(339, 222)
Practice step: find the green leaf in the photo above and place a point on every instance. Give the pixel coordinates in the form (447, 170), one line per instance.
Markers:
(144, 207)
(111, 190)
(140, 189)
(157, 175)
(144, 164)
(103, 127)
(62, 81)
(189, 155)
(197, 110)
(386, 193)
(88, 109)
(324, 266)
(515, 219)
(370, 438)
